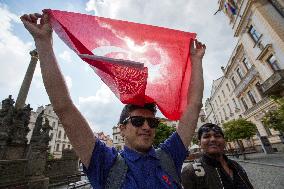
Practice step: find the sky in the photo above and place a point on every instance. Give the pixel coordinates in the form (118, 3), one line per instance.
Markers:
(92, 97)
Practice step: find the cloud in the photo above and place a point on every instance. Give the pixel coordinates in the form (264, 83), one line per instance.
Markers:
(14, 53)
(68, 82)
(101, 110)
(66, 56)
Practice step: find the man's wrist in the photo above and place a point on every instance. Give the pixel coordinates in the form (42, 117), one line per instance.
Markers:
(196, 58)
(43, 42)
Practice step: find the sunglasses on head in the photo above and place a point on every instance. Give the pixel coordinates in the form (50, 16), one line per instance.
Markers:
(138, 121)
(207, 129)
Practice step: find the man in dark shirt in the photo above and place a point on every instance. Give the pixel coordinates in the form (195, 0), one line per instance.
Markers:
(214, 170)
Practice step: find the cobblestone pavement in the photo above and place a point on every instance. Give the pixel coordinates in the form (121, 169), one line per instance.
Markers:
(265, 171)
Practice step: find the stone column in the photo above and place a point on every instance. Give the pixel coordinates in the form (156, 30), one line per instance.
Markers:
(20, 102)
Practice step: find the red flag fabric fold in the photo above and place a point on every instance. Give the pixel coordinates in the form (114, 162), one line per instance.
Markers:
(139, 63)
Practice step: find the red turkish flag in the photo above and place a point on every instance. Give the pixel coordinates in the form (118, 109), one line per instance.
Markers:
(139, 63)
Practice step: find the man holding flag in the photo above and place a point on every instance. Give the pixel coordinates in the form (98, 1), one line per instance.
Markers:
(141, 166)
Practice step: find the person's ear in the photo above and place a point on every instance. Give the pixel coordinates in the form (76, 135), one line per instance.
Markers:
(122, 128)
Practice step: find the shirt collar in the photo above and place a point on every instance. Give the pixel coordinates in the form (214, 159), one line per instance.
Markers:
(133, 155)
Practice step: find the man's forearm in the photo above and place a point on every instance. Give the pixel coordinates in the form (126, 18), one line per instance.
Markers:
(189, 118)
(75, 125)
(53, 79)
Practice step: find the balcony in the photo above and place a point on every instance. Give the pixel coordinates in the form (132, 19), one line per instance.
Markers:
(256, 106)
(246, 80)
(237, 110)
(278, 6)
(275, 84)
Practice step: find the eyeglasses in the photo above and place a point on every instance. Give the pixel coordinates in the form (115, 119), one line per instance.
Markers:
(138, 121)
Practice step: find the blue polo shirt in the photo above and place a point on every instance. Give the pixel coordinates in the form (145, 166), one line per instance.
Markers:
(144, 170)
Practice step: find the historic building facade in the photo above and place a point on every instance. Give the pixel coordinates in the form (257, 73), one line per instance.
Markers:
(255, 69)
(118, 140)
(59, 141)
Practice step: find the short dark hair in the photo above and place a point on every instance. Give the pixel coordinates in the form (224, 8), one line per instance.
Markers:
(131, 107)
(210, 126)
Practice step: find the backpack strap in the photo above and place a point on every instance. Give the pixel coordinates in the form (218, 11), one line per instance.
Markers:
(119, 170)
(168, 165)
(117, 173)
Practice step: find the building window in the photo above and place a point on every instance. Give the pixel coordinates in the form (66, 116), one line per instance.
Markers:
(240, 73)
(246, 63)
(235, 103)
(216, 118)
(65, 136)
(57, 147)
(51, 136)
(254, 34)
(68, 146)
(224, 113)
(223, 93)
(251, 97)
(259, 89)
(63, 147)
(59, 134)
(234, 81)
(273, 62)
(228, 105)
(244, 103)
(219, 99)
(227, 85)
(221, 116)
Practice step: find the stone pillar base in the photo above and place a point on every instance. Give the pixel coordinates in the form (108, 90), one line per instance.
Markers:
(15, 151)
(38, 183)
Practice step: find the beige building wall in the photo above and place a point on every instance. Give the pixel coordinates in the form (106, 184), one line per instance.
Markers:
(255, 69)
(118, 140)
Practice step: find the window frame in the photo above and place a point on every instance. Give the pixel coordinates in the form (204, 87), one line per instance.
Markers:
(254, 34)
(273, 65)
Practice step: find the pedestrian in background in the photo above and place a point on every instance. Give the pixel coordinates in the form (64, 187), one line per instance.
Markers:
(214, 170)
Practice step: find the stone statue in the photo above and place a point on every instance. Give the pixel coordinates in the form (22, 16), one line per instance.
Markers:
(45, 133)
(20, 127)
(38, 146)
(6, 117)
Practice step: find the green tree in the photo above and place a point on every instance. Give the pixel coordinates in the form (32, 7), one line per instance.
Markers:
(274, 119)
(50, 156)
(239, 129)
(163, 131)
(194, 139)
